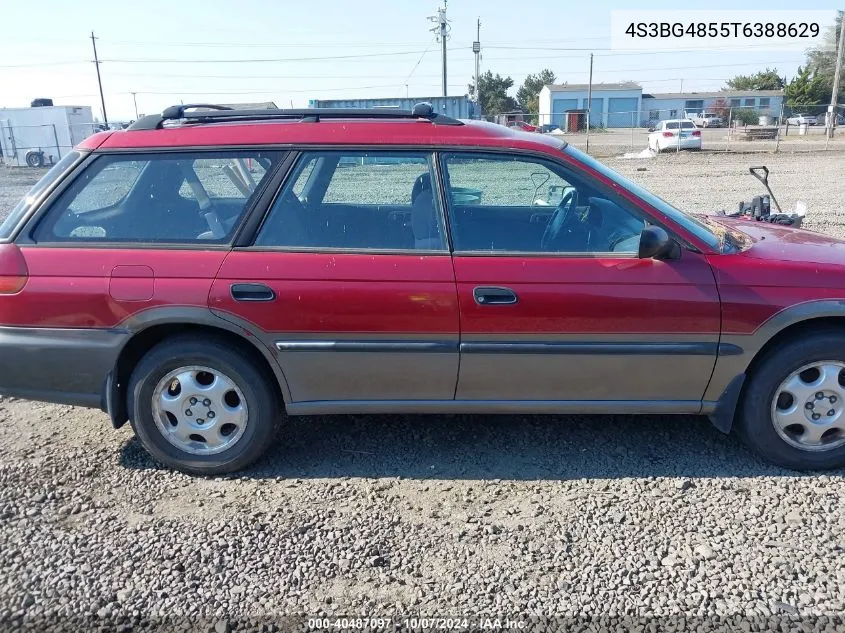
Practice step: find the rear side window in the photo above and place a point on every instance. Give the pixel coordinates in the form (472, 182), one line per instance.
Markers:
(359, 200)
(8, 225)
(184, 197)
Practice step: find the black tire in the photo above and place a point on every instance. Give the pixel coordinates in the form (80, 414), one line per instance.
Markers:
(35, 159)
(754, 422)
(264, 405)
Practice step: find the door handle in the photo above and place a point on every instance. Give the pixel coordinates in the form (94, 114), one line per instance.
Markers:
(490, 296)
(252, 292)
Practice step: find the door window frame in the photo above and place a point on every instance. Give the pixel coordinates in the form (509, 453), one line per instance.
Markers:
(247, 238)
(563, 170)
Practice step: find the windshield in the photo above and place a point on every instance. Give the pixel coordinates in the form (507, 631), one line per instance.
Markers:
(691, 224)
(8, 225)
(685, 125)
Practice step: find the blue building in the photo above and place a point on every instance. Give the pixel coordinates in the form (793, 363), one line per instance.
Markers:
(675, 105)
(614, 105)
(625, 105)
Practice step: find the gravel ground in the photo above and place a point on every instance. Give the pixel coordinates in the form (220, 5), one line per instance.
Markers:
(659, 519)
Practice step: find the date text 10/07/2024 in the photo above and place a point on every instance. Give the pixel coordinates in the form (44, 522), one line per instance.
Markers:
(724, 29)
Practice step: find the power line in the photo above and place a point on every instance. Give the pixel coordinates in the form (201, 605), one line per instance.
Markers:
(35, 65)
(259, 61)
(310, 44)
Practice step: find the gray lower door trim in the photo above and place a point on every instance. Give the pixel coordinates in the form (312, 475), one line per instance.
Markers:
(325, 407)
(515, 347)
(440, 347)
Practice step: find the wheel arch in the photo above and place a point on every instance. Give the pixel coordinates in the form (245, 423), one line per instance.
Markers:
(785, 326)
(810, 325)
(153, 328)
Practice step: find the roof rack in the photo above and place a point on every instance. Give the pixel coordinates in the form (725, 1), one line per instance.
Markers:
(208, 113)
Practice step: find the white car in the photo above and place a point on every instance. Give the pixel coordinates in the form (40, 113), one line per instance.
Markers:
(707, 119)
(675, 134)
(801, 119)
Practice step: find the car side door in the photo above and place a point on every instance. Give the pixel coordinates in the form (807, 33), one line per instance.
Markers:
(350, 282)
(555, 304)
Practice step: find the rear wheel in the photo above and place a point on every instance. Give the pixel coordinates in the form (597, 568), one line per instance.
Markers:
(794, 408)
(200, 406)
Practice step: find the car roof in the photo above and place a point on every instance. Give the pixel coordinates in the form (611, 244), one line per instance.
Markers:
(368, 132)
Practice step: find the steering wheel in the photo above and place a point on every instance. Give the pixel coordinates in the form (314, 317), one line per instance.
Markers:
(561, 219)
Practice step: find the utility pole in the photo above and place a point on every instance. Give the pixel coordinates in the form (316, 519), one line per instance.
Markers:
(99, 80)
(476, 48)
(135, 101)
(836, 75)
(442, 32)
(589, 102)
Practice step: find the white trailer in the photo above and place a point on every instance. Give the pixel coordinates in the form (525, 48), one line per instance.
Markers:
(40, 136)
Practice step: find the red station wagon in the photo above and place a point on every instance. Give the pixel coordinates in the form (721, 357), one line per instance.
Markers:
(207, 271)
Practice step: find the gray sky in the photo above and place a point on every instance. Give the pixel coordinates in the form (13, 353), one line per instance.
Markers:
(290, 52)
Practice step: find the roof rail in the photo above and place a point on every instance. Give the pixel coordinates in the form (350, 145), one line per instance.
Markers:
(207, 113)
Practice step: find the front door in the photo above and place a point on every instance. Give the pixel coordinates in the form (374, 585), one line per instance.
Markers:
(555, 305)
(351, 284)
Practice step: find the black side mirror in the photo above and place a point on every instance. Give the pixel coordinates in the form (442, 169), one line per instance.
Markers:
(655, 243)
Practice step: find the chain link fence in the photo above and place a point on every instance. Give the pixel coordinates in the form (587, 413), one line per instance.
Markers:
(737, 129)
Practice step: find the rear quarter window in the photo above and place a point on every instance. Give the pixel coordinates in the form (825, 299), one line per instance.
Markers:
(184, 197)
(60, 169)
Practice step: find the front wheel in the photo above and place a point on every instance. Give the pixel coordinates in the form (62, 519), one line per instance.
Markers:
(200, 406)
(793, 413)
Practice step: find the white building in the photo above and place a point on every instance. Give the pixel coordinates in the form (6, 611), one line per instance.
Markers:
(42, 135)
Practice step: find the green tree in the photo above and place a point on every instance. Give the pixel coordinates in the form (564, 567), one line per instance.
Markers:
(764, 80)
(822, 59)
(494, 93)
(745, 116)
(807, 88)
(528, 95)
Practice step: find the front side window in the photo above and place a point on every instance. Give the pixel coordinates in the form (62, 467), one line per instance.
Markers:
(179, 197)
(688, 222)
(381, 200)
(509, 203)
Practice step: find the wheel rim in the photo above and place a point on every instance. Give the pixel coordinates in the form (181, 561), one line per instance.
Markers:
(199, 410)
(808, 411)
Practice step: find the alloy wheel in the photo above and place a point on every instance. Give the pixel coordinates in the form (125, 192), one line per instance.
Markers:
(808, 410)
(199, 410)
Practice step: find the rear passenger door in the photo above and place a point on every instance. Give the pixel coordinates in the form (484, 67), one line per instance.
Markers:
(350, 280)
